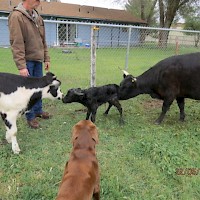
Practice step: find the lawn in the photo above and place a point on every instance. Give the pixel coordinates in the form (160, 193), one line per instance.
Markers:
(138, 161)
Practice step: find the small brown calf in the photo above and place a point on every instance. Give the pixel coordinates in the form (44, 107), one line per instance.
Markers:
(80, 180)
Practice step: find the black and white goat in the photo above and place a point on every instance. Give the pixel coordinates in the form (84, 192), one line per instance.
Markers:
(18, 94)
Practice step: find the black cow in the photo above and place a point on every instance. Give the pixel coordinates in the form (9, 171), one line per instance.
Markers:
(176, 77)
(93, 97)
(18, 94)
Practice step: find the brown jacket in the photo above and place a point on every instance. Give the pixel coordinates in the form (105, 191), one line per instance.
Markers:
(27, 37)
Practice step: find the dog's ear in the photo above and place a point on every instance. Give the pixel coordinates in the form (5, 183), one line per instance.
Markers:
(75, 132)
(74, 135)
(95, 136)
(66, 168)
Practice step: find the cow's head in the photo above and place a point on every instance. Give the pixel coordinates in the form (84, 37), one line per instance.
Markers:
(127, 86)
(53, 90)
(73, 95)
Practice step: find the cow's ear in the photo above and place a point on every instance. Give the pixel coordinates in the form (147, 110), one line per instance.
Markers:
(79, 92)
(49, 77)
(49, 74)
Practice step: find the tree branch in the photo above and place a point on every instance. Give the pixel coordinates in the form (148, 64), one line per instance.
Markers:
(183, 3)
(151, 12)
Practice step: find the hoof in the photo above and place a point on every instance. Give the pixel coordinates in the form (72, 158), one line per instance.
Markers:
(157, 122)
(182, 120)
(121, 122)
(16, 149)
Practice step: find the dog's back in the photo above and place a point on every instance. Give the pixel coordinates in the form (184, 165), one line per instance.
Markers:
(81, 176)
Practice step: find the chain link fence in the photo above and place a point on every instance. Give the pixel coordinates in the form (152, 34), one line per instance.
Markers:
(70, 44)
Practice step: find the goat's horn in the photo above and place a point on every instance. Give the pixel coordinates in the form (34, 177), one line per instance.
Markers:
(125, 72)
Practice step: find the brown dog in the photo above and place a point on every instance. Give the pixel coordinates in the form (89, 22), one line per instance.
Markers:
(81, 176)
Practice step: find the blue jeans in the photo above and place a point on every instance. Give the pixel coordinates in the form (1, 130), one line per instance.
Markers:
(35, 70)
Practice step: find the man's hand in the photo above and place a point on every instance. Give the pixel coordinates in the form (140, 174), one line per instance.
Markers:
(47, 66)
(24, 72)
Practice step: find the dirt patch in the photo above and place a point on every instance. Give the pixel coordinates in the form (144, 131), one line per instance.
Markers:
(152, 104)
(3, 142)
(83, 110)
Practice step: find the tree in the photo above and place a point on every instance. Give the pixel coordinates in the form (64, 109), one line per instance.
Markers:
(144, 9)
(168, 10)
(191, 14)
(193, 23)
(189, 10)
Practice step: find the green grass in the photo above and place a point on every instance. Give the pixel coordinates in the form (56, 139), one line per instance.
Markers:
(138, 161)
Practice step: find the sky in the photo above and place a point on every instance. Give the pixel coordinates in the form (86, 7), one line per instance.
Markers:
(96, 3)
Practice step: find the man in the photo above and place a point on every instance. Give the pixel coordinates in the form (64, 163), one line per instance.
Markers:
(29, 48)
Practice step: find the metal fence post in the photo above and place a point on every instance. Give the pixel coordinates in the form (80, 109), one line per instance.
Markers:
(128, 48)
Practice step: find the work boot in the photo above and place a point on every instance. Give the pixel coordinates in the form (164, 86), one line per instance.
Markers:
(33, 123)
(43, 115)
